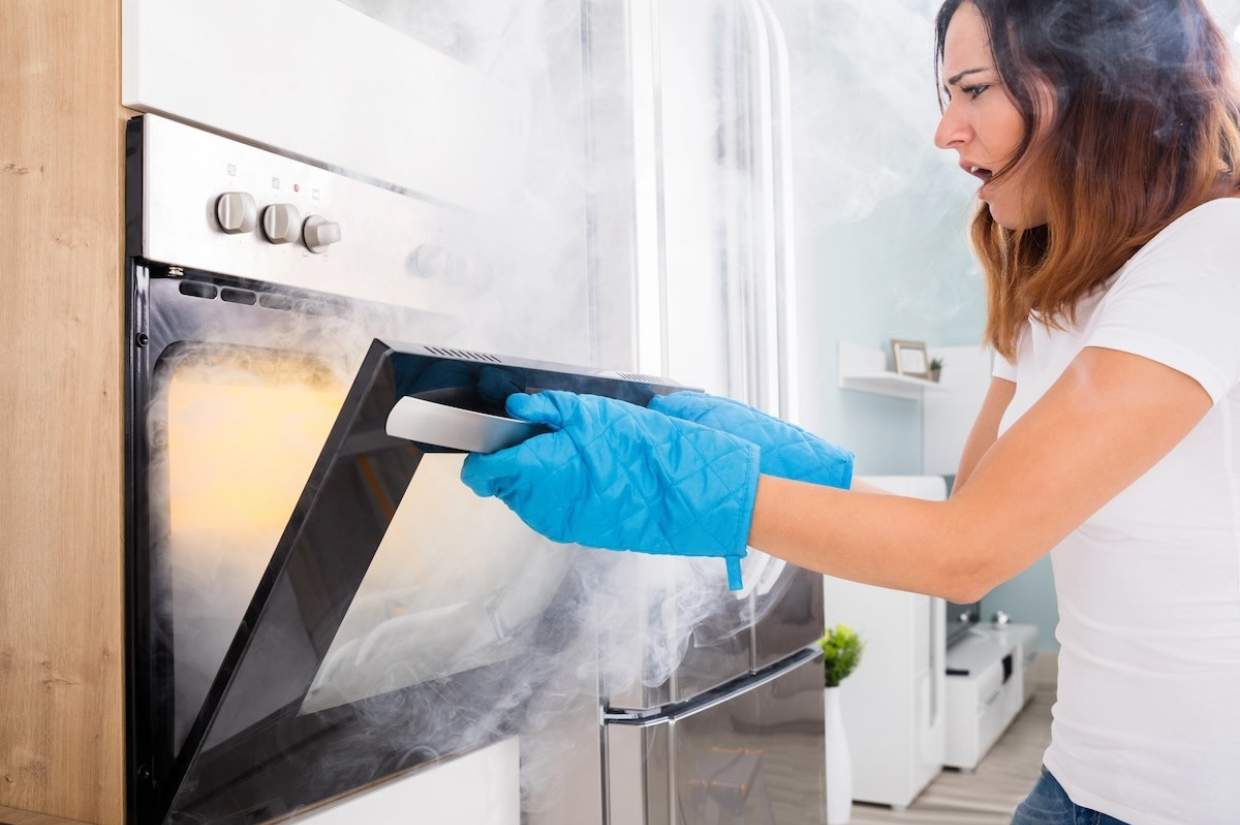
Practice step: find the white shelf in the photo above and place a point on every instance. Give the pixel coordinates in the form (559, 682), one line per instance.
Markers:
(863, 369)
(888, 383)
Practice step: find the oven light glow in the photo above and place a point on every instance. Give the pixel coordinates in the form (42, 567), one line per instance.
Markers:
(242, 439)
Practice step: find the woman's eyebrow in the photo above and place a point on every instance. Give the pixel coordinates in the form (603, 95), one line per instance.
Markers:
(954, 79)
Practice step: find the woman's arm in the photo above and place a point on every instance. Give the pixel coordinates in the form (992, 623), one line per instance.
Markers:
(1108, 419)
(985, 429)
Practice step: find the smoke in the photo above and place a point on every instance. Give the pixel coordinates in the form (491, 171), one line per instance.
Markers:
(459, 585)
(866, 131)
(1227, 14)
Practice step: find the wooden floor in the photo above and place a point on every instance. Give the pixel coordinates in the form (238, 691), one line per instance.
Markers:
(1005, 776)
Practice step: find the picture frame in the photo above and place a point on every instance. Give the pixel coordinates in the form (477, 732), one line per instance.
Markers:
(911, 358)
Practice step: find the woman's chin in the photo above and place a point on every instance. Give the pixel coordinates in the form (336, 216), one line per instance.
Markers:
(1014, 217)
(1005, 218)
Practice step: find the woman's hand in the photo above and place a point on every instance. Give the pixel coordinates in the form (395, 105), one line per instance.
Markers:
(622, 477)
(787, 450)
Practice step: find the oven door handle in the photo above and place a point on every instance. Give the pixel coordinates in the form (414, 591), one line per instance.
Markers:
(452, 429)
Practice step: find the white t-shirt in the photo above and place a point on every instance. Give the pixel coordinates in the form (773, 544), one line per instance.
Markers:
(1147, 723)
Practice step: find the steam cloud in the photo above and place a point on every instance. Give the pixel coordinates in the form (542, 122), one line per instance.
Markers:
(460, 582)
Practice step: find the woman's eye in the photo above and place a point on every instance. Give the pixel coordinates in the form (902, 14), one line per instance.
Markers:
(974, 91)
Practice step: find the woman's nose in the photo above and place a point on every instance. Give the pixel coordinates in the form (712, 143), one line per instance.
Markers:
(954, 130)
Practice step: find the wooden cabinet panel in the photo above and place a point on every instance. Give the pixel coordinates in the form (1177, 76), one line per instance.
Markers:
(9, 816)
(61, 558)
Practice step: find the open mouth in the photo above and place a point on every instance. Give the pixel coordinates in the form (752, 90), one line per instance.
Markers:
(981, 173)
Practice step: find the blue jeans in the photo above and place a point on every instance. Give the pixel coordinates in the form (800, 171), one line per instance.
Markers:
(1048, 804)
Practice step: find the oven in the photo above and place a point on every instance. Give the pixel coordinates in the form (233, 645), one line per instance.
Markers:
(313, 605)
(316, 605)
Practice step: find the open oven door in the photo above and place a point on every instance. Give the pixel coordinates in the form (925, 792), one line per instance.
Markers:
(280, 706)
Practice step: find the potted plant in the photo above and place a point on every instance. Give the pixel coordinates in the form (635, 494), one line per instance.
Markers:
(936, 368)
(841, 651)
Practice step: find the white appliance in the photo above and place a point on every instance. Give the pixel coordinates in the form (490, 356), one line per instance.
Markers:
(894, 704)
(717, 289)
(716, 306)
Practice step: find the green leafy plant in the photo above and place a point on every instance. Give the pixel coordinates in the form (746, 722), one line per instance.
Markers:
(841, 650)
(936, 363)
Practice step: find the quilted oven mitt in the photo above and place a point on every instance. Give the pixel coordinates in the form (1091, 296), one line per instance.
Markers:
(618, 476)
(787, 450)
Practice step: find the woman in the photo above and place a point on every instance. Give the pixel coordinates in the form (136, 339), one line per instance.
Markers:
(1107, 137)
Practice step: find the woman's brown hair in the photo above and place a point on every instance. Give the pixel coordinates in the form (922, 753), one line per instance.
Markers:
(1143, 127)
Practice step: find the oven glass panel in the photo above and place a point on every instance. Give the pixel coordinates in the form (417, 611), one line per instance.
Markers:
(239, 434)
(457, 583)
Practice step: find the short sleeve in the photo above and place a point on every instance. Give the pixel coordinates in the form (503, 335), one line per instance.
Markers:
(1003, 368)
(1178, 301)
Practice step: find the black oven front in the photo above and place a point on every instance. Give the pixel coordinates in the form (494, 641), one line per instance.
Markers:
(263, 490)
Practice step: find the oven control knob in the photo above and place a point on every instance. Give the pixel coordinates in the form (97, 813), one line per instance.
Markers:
(236, 212)
(281, 223)
(320, 233)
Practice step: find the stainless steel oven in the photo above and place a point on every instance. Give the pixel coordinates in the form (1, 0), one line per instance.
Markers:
(277, 536)
(315, 603)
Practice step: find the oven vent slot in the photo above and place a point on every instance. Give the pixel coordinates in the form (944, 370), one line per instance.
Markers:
(238, 296)
(196, 289)
(466, 354)
(311, 307)
(270, 301)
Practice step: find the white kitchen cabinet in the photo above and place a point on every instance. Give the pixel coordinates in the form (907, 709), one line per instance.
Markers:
(894, 703)
(988, 683)
(481, 788)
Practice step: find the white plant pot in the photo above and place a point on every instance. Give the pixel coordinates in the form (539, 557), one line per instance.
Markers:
(839, 762)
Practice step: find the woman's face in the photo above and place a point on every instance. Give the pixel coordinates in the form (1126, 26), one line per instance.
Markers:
(982, 123)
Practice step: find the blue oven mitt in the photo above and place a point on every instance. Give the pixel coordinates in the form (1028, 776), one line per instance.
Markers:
(622, 477)
(787, 450)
